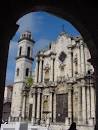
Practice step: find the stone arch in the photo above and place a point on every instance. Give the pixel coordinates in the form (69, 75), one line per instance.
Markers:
(88, 30)
(70, 17)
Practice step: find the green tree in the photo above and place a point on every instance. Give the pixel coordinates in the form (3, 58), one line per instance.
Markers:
(29, 81)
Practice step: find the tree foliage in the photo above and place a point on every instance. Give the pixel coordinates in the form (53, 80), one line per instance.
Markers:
(29, 81)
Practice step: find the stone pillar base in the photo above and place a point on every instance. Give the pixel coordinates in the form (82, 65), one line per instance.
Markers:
(91, 121)
(67, 121)
(15, 126)
(33, 121)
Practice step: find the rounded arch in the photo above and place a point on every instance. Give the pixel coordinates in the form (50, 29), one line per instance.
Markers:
(71, 17)
(88, 30)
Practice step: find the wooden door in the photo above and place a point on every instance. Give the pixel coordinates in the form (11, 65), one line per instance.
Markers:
(61, 107)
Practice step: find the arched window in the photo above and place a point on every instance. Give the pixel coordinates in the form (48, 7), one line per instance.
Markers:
(27, 72)
(28, 52)
(20, 51)
(17, 73)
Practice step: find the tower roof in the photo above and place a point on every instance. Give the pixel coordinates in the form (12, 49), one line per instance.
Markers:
(26, 36)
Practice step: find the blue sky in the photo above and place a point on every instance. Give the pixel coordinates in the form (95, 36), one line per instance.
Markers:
(44, 27)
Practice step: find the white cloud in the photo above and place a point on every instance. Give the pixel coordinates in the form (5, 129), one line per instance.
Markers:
(31, 22)
(40, 44)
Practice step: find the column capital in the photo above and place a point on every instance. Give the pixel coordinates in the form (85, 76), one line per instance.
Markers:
(70, 87)
(69, 50)
(41, 58)
(37, 58)
(52, 57)
(81, 42)
(25, 91)
(51, 90)
(33, 91)
(39, 90)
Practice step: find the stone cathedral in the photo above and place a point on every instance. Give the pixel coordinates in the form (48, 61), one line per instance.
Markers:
(63, 89)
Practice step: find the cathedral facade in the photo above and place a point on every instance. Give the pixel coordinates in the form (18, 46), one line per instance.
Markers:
(63, 90)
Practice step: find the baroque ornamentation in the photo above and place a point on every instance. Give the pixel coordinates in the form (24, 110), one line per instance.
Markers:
(62, 56)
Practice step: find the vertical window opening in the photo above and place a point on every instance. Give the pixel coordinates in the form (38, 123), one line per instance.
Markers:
(28, 52)
(17, 72)
(27, 72)
(20, 51)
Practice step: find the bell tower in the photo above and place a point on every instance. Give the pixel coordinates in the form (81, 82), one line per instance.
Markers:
(23, 69)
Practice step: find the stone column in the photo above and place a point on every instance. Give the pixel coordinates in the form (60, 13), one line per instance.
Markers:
(24, 114)
(38, 105)
(88, 103)
(92, 101)
(79, 60)
(42, 73)
(51, 104)
(40, 70)
(70, 114)
(37, 70)
(33, 109)
(70, 61)
(51, 75)
(79, 104)
(83, 65)
(54, 112)
(84, 104)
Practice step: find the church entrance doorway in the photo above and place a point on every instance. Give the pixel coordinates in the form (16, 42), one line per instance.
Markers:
(61, 107)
